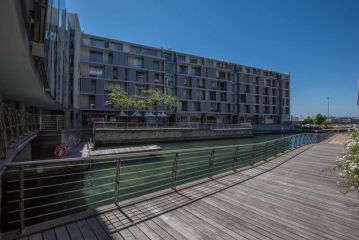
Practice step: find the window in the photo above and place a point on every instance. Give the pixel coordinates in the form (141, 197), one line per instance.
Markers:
(93, 85)
(183, 69)
(247, 89)
(110, 58)
(274, 101)
(200, 83)
(135, 49)
(274, 91)
(196, 71)
(184, 106)
(115, 73)
(212, 96)
(266, 91)
(96, 71)
(140, 76)
(92, 102)
(214, 85)
(168, 57)
(136, 62)
(97, 43)
(149, 52)
(257, 109)
(168, 68)
(257, 90)
(187, 82)
(181, 58)
(193, 60)
(274, 110)
(196, 106)
(202, 95)
(219, 65)
(221, 75)
(158, 78)
(139, 90)
(248, 109)
(95, 56)
(215, 107)
(116, 46)
(243, 98)
(156, 65)
(187, 94)
(223, 97)
(223, 86)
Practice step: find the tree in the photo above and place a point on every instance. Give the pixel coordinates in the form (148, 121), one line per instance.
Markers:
(154, 97)
(118, 99)
(169, 102)
(308, 120)
(320, 119)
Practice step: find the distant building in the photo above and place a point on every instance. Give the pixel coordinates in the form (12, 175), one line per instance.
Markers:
(209, 90)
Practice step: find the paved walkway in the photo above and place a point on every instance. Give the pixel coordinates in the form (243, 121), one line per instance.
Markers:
(290, 197)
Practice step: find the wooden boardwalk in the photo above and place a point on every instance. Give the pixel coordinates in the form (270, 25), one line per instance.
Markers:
(289, 197)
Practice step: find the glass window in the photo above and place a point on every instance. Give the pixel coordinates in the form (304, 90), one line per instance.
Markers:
(93, 85)
(116, 46)
(115, 73)
(193, 60)
(135, 49)
(97, 43)
(183, 69)
(156, 65)
(96, 71)
(150, 52)
(196, 71)
(181, 58)
(184, 106)
(95, 56)
(136, 62)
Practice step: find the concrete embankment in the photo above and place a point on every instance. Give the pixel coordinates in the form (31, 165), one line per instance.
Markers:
(124, 136)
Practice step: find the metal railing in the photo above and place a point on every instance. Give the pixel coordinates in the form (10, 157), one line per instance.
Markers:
(42, 190)
(14, 128)
(52, 122)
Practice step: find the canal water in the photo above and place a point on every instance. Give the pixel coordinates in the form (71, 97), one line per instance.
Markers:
(64, 192)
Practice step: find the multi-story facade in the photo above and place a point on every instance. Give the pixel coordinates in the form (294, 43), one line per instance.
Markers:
(209, 90)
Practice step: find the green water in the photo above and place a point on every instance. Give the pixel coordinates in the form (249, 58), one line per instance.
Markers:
(94, 186)
(220, 142)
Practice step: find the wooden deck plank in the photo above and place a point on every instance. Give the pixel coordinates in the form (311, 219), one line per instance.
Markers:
(97, 229)
(86, 230)
(74, 231)
(37, 236)
(49, 235)
(61, 233)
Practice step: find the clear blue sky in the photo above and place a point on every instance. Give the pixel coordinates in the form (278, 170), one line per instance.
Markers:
(316, 40)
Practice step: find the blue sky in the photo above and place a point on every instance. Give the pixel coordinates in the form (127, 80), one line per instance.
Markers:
(317, 41)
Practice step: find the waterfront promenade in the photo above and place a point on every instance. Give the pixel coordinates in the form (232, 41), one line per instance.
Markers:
(289, 197)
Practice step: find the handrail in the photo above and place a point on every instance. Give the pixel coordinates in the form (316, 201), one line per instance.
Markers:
(116, 156)
(43, 190)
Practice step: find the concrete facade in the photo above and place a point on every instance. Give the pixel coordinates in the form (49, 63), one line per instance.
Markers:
(125, 136)
(209, 90)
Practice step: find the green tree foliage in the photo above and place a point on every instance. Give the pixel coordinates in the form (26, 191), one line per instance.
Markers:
(320, 119)
(308, 120)
(119, 99)
(169, 102)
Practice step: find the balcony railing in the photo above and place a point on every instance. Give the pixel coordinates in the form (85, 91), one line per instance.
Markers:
(36, 191)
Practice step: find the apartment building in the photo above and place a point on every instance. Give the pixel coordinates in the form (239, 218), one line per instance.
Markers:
(209, 90)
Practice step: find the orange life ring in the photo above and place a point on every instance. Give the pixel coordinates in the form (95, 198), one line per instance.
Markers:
(60, 151)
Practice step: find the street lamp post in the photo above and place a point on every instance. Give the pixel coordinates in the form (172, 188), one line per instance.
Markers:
(328, 107)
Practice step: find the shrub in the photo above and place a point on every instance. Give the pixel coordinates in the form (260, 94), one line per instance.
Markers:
(348, 162)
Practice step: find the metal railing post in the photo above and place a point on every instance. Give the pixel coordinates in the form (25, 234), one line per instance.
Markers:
(117, 181)
(266, 152)
(21, 198)
(235, 157)
(252, 156)
(210, 164)
(174, 171)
